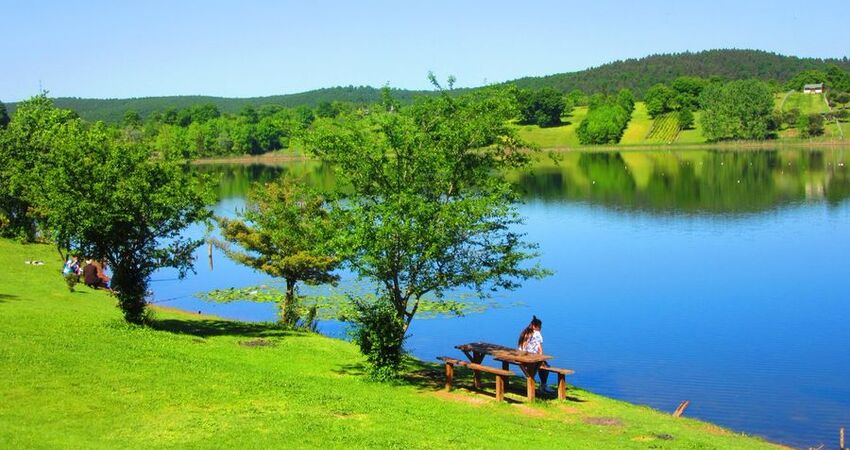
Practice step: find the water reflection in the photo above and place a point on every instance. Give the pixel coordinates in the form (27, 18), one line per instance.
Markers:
(713, 276)
(235, 180)
(691, 182)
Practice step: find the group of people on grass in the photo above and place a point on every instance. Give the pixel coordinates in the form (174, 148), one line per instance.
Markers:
(93, 273)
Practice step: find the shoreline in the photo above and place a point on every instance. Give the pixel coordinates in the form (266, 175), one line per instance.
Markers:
(182, 334)
(280, 158)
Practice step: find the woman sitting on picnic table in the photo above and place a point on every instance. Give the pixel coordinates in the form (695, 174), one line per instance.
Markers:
(531, 341)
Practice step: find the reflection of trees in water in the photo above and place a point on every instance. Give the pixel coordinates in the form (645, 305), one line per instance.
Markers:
(235, 180)
(708, 181)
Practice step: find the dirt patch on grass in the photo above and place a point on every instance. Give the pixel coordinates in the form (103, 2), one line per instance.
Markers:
(257, 343)
(530, 412)
(569, 409)
(460, 398)
(603, 421)
(644, 438)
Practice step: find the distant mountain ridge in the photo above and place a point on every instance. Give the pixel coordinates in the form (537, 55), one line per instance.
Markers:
(642, 73)
(637, 74)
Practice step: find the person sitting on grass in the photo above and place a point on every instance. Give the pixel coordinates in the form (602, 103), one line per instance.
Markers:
(531, 341)
(93, 275)
(72, 267)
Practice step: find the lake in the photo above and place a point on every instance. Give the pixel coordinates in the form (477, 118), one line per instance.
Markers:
(720, 277)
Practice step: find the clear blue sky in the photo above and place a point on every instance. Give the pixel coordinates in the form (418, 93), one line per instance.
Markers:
(252, 48)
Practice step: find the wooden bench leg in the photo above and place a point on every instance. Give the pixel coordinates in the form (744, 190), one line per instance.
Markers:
(450, 371)
(562, 386)
(500, 387)
(505, 367)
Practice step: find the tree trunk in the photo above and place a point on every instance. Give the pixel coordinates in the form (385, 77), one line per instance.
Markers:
(130, 287)
(289, 309)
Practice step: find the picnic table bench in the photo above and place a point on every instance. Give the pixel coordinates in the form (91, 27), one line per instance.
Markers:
(529, 363)
(501, 375)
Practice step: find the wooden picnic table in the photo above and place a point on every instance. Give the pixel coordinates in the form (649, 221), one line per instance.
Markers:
(529, 363)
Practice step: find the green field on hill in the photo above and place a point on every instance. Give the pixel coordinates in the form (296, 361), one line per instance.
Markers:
(76, 376)
(806, 103)
(637, 133)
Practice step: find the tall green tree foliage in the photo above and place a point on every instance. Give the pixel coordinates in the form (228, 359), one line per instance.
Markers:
(736, 110)
(283, 231)
(25, 146)
(4, 116)
(428, 208)
(606, 119)
(543, 107)
(114, 201)
(659, 100)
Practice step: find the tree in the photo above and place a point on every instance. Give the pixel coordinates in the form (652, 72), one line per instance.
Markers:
(326, 109)
(132, 119)
(577, 98)
(282, 231)
(736, 110)
(686, 119)
(249, 114)
(659, 100)
(606, 120)
(542, 107)
(626, 100)
(810, 125)
(427, 208)
(806, 77)
(24, 147)
(803, 125)
(114, 201)
(688, 90)
(791, 116)
(4, 116)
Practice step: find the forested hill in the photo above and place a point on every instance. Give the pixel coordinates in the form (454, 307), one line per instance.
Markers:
(636, 74)
(641, 74)
(112, 110)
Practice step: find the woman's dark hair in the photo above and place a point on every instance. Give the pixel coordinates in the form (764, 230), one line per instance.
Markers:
(528, 331)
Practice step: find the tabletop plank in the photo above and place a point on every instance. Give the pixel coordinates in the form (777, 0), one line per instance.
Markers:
(503, 353)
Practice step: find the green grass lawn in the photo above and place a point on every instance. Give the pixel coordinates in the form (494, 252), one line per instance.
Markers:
(638, 127)
(75, 376)
(806, 103)
(555, 137)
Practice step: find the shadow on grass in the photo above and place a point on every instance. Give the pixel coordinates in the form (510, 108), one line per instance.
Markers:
(427, 377)
(6, 297)
(210, 327)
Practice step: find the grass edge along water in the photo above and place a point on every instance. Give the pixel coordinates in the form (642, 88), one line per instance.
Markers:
(75, 375)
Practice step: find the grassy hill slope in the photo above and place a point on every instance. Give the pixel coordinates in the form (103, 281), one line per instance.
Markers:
(75, 376)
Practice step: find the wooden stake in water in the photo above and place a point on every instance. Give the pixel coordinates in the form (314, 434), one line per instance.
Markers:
(681, 409)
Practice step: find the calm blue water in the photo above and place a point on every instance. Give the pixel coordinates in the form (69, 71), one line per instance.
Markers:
(716, 277)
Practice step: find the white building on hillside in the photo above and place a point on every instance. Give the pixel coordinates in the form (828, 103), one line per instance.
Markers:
(817, 88)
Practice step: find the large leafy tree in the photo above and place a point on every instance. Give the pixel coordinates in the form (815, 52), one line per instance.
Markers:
(24, 149)
(427, 208)
(112, 200)
(543, 107)
(736, 110)
(282, 233)
(659, 100)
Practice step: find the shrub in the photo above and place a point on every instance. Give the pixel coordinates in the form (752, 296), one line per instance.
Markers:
(686, 119)
(605, 122)
(378, 331)
(71, 280)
